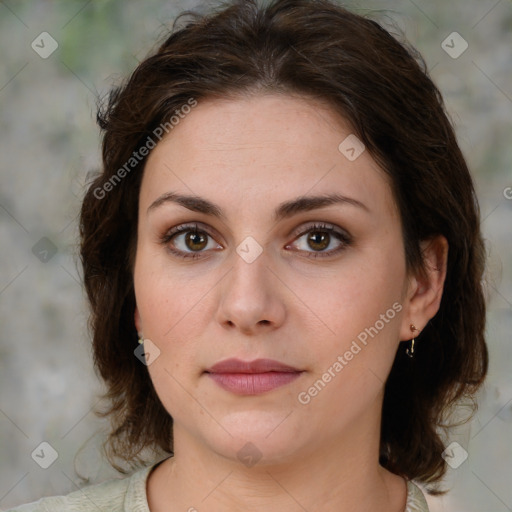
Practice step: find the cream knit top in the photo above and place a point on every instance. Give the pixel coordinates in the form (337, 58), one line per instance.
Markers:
(129, 495)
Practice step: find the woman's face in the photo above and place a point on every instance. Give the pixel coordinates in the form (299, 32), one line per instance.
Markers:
(261, 270)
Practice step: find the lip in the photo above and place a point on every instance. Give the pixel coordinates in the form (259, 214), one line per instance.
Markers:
(252, 377)
(256, 366)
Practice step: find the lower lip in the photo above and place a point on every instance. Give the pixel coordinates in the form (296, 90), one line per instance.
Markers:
(253, 383)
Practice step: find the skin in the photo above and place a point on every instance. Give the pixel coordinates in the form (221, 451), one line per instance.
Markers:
(248, 156)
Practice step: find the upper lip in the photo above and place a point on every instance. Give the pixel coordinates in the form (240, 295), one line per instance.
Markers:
(256, 366)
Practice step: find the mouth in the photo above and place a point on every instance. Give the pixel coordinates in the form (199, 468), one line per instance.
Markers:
(252, 377)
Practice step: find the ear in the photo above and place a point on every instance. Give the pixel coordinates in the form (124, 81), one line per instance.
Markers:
(424, 292)
(137, 320)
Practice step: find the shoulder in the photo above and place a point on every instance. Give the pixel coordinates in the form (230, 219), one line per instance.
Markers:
(416, 501)
(119, 495)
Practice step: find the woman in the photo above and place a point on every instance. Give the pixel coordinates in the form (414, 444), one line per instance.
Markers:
(283, 259)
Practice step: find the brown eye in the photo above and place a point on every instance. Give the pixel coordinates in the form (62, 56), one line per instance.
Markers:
(188, 241)
(195, 240)
(314, 241)
(319, 240)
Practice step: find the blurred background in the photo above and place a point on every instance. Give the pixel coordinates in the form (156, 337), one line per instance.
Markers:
(56, 58)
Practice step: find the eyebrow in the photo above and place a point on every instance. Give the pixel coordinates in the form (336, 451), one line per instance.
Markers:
(284, 210)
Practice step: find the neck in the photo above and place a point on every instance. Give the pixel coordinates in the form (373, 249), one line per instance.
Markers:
(340, 474)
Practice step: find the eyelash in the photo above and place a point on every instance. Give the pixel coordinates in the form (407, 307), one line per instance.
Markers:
(321, 227)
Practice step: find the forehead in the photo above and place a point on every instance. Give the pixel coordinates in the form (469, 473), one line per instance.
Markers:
(238, 151)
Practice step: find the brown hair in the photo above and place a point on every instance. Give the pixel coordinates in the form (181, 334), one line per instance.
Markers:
(381, 87)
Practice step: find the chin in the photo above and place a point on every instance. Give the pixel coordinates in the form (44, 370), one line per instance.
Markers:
(260, 438)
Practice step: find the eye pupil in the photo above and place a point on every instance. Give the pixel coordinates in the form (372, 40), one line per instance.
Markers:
(196, 239)
(319, 237)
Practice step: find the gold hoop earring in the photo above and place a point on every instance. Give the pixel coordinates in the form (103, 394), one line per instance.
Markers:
(410, 350)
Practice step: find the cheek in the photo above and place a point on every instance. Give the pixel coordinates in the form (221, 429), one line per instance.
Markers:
(166, 297)
(169, 307)
(357, 310)
(174, 310)
(353, 297)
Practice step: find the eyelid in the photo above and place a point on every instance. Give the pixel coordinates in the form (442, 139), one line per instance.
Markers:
(303, 229)
(189, 226)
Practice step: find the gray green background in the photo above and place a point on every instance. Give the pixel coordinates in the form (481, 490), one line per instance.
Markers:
(48, 143)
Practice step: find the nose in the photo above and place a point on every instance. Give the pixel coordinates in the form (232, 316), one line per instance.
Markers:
(251, 297)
